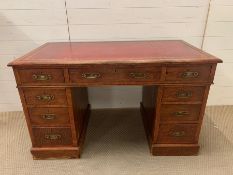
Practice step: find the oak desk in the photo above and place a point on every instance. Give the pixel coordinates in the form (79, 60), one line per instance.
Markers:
(53, 79)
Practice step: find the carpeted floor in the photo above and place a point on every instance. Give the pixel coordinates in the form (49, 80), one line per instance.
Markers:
(116, 144)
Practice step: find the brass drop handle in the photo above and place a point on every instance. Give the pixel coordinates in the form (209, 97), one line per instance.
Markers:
(189, 74)
(52, 136)
(177, 133)
(42, 77)
(45, 97)
(181, 113)
(184, 94)
(137, 75)
(91, 75)
(48, 116)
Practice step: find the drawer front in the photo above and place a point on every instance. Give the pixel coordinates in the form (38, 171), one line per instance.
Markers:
(49, 116)
(139, 74)
(188, 73)
(108, 74)
(177, 133)
(179, 112)
(183, 94)
(45, 96)
(91, 75)
(49, 137)
(41, 76)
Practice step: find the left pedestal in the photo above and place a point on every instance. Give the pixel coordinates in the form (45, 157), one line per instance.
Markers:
(57, 120)
(56, 115)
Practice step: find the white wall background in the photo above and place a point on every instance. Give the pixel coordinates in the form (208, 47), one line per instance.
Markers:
(26, 24)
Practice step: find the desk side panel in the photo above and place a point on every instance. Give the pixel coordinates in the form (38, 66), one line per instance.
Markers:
(148, 104)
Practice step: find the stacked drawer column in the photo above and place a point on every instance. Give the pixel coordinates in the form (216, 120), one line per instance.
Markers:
(50, 112)
(180, 101)
(178, 119)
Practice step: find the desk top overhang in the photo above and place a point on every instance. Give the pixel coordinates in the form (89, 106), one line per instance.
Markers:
(115, 52)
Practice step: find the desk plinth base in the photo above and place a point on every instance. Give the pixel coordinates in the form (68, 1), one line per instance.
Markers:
(174, 149)
(56, 153)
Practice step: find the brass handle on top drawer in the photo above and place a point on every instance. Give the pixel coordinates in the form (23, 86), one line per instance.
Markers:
(90, 75)
(181, 113)
(45, 97)
(53, 136)
(137, 75)
(184, 94)
(177, 134)
(41, 77)
(49, 116)
(189, 74)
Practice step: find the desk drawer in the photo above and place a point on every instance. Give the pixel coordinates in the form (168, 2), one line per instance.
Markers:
(183, 94)
(110, 74)
(41, 76)
(50, 137)
(45, 96)
(49, 116)
(177, 133)
(179, 112)
(139, 74)
(188, 73)
(92, 75)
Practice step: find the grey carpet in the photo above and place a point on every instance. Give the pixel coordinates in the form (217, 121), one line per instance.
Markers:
(116, 144)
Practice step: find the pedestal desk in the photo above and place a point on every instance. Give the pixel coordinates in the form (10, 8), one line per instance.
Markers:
(52, 81)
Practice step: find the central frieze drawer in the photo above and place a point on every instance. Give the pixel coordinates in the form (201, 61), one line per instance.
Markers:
(139, 73)
(45, 96)
(41, 76)
(91, 75)
(108, 74)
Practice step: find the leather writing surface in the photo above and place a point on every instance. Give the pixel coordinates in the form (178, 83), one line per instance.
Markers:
(115, 52)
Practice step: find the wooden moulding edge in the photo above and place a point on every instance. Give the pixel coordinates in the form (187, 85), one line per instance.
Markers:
(55, 153)
(175, 149)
